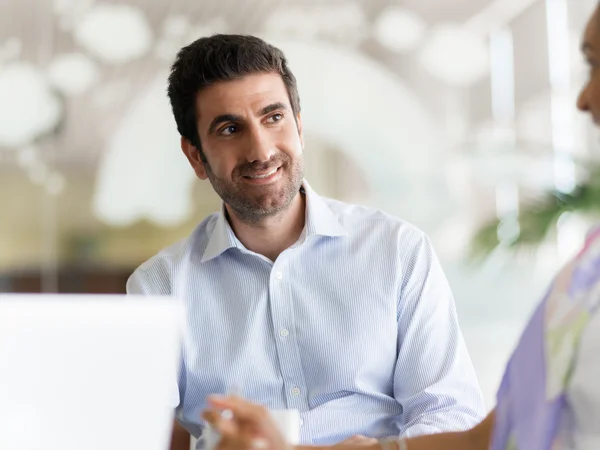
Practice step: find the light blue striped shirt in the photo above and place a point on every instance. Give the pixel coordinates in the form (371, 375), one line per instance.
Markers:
(354, 325)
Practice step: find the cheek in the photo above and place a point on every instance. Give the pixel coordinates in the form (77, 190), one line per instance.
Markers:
(291, 142)
(222, 162)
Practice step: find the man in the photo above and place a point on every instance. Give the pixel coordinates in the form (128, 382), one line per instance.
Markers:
(549, 397)
(297, 301)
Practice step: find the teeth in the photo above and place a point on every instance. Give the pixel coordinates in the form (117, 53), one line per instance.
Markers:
(266, 175)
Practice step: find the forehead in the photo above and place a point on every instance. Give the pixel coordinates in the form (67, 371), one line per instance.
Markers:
(238, 96)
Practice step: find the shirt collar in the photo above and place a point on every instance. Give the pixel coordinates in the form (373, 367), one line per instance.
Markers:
(320, 221)
(221, 239)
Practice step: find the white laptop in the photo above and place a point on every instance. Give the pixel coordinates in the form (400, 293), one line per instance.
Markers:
(87, 372)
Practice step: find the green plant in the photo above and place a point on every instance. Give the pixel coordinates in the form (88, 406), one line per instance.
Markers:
(537, 218)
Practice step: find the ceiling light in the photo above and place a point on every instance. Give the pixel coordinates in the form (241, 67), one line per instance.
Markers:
(115, 33)
(175, 26)
(399, 30)
(28, 106)
(350, 23)
(455, 55)
(73, 73)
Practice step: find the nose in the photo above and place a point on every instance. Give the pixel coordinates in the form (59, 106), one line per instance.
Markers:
(260, 147)
(583, 99)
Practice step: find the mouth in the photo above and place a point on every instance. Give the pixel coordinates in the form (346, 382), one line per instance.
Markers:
(263, 177)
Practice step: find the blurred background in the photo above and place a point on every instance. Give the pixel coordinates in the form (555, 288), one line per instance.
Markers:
(458, 116)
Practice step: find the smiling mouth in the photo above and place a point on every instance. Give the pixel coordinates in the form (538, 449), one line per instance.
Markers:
(262, 176)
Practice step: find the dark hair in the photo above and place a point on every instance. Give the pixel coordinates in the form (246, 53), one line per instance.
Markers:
(221, 57)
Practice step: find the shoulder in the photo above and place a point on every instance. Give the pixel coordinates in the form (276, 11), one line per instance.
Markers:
(155, 275)
(359, 220)
(577, 284)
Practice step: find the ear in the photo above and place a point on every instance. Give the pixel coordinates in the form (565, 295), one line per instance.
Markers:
(193, 156)
(299, 125)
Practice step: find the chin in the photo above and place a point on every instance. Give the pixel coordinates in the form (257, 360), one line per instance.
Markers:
(276, 202)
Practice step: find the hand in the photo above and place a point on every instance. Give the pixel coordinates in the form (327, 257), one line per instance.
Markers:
(249, 428)
(357, 441)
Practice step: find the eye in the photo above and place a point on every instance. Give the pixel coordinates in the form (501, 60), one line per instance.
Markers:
(228, 130)
(275, 118)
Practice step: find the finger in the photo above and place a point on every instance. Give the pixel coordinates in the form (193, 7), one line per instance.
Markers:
(359, 440)
(211, 416)
(224, 426)
(259, 444)
(232, 436)
(242, 409)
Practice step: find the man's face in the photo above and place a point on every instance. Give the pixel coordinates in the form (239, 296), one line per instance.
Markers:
(589, 99)
(252, 143)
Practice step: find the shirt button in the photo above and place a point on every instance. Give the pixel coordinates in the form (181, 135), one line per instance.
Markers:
(279, 276)
(284, 333)
(295, 391)
(301, 422)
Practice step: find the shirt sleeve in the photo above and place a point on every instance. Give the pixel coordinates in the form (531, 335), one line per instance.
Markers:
(140, 284)
(434, 381)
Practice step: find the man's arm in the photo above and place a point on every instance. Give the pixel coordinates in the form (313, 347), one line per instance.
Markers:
(434, 379)
(139, 284)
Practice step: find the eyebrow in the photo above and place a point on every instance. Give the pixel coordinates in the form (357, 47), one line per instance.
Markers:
(223, 118)
(272, 107)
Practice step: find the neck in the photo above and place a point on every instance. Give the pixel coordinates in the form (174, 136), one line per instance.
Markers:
(274, 234)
